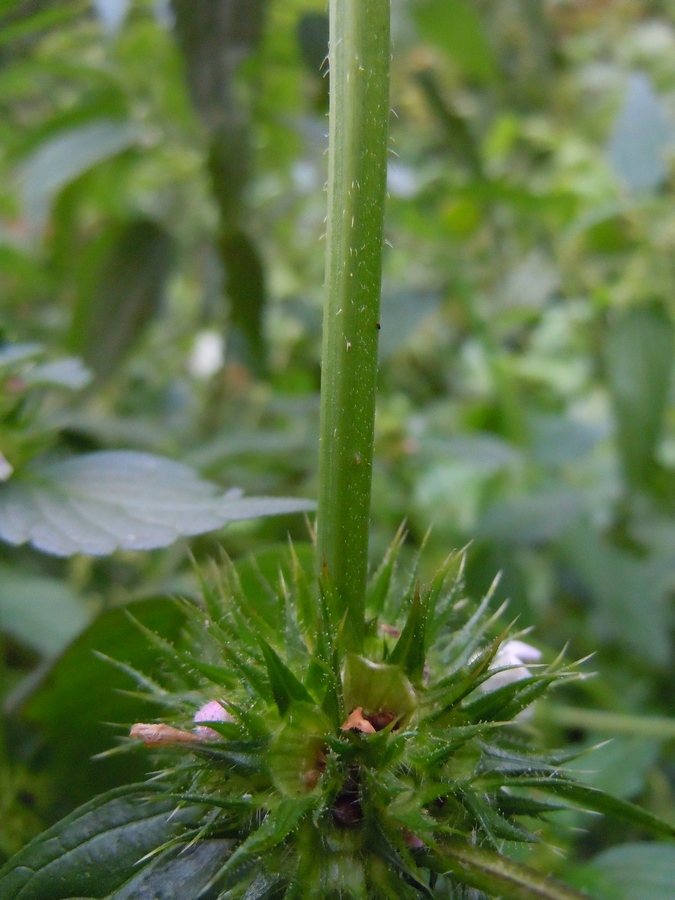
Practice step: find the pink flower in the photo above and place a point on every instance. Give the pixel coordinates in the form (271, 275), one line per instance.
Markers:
(210, 712)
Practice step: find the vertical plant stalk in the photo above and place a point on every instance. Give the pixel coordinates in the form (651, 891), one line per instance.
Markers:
(359, 57)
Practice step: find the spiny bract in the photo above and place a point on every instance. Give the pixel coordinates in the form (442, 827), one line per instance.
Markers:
(388, 770)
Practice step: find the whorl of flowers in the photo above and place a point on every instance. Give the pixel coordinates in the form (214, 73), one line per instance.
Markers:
(396, 769)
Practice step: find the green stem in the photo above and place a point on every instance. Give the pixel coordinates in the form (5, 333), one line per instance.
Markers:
(359, 113)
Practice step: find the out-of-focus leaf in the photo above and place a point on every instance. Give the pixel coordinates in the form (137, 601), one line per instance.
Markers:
(618, 766)
(6, 468)
(630, 595)
(640, 871)
(127, 295)
(112, 14)
(487, 453)
(40, 612)
(313, 40)
(12, 354)
(95, 852)
(67, 373)
(73, 701)
(640, 136)
(24, 26)
(66, 156)
(639, 360)
(556, 440)
(402, 312)
(100, 502)
(530, 283)
(531, 518)
(457, 28)
(245, 287)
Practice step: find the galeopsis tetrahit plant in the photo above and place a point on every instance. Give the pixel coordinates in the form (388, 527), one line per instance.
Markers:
(326, 735)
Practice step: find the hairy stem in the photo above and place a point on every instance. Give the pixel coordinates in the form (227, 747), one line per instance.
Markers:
(359, 112)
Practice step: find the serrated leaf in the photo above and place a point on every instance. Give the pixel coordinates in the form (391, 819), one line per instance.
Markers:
(100, 502)
(95, 850)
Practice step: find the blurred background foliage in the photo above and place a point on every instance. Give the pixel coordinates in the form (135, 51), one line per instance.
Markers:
(161, 211)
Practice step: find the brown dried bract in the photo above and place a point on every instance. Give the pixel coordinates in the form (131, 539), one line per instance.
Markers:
(357, 722)
(158, 735)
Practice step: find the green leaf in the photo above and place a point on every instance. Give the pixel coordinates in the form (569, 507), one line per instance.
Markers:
(631, 594)
(129, 287)
(42, 613)
(454, 26)
(100, 502)
(66, 156)
(72, 701)
(65, 373)
(27, 25)
(532, 518)
(639, 871)
(641, 136)
(499, 876)
(620, 766)
(285, 686)
(96, 850)
(639, 359)
(184, 871)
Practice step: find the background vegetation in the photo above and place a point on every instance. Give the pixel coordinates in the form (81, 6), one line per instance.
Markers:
(161, 210)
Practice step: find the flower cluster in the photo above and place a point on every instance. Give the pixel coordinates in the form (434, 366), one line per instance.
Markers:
(392, 769)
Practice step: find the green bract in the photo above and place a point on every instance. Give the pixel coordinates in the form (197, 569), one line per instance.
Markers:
(399, 772)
